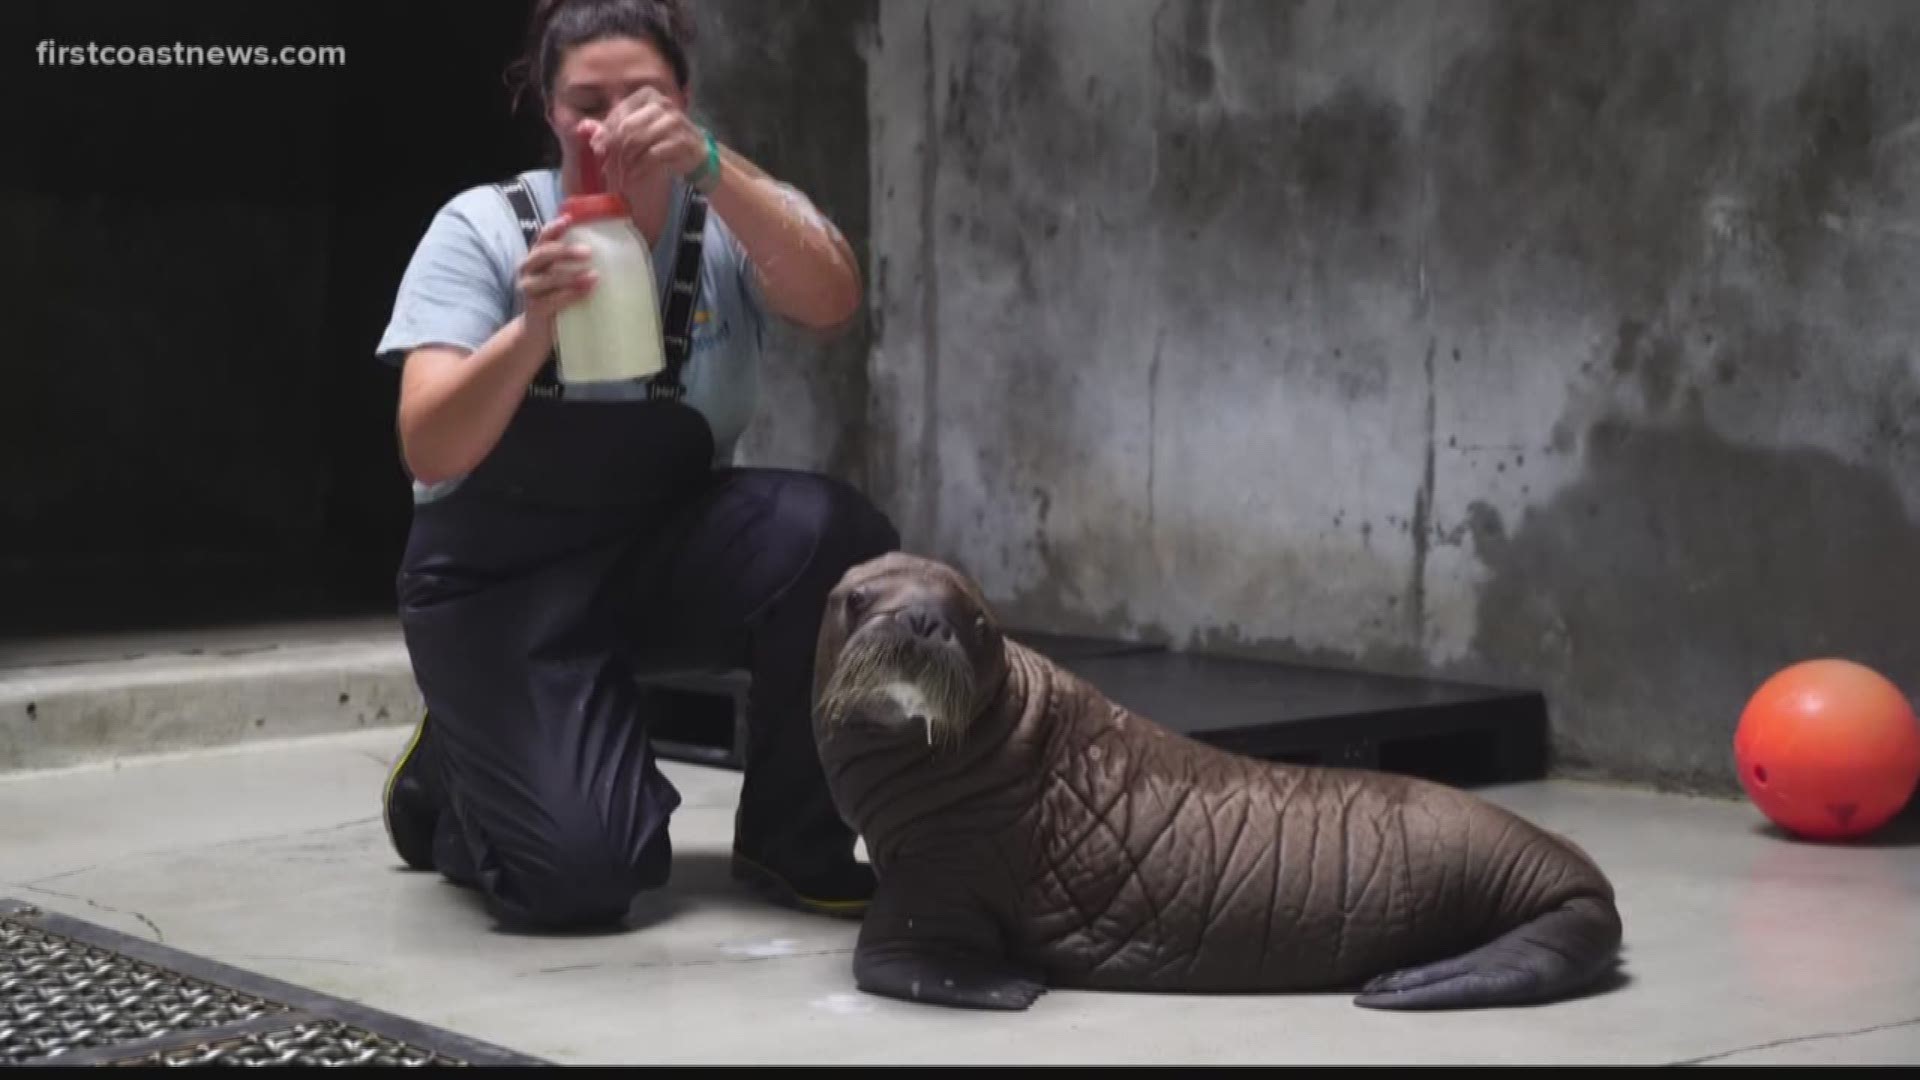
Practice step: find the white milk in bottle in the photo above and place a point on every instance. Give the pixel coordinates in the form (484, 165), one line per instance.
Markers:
(613, 333)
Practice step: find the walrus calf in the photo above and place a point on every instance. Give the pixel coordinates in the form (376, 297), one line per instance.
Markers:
(1029, 833)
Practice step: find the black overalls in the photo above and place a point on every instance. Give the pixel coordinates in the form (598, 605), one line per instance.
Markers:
(598, 540)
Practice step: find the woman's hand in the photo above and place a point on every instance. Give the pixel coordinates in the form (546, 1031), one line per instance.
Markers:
(455, 405)
(553, 274)
(804, 265)
(646, 135)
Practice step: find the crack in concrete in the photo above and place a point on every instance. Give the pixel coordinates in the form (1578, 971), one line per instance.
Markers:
(158, 935)
(303, 960)
(644, 966)
(928, 512)
(1422, 525)
(1816, 1037)
(61, 874)
(166, 852)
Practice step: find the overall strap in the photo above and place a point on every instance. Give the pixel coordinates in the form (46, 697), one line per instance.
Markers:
(527, 212)
(681, 300)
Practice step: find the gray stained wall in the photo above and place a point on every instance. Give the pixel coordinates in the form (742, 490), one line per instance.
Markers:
(1557, 343)
(1560, 344)
(785, 83)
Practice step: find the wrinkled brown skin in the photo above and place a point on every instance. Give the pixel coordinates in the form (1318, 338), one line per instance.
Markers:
(1067, 842)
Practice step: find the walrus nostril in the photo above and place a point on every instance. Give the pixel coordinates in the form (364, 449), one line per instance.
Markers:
(925, 624)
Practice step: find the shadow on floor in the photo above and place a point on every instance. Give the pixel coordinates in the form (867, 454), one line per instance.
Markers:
(701, 879)
(1902, 832)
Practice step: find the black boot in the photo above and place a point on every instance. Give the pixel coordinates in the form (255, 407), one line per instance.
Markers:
(789, 843)
(842, 889)
(413, 801)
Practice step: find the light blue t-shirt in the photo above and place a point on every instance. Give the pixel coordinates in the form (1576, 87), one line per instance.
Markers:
(460, 289)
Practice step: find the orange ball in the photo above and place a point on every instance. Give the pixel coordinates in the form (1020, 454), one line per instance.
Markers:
(1828, 749)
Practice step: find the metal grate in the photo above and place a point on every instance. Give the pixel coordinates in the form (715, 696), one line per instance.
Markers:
(327, 1043)
(78, 994)
(58, 995)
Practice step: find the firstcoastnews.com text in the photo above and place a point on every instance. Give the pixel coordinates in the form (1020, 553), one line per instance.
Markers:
(54, 54)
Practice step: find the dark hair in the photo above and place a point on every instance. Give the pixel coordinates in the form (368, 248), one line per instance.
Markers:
(560, 25)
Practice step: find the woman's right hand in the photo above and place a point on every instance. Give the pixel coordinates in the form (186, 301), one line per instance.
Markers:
(454, 404)
(554, 273)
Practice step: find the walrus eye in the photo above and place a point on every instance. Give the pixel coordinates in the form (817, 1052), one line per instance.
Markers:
(857, 601)
(980, 626)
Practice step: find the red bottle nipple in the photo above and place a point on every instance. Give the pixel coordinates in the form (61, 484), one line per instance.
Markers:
(592, 200)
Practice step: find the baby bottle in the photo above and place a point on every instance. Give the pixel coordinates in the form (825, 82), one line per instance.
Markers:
(613, 333)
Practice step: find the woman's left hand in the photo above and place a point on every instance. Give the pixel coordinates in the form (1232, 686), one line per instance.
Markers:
(646, 134)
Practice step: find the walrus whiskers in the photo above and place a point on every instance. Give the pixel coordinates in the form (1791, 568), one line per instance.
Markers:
(874, 664)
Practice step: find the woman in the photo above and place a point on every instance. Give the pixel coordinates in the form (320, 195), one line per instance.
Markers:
(567, 538)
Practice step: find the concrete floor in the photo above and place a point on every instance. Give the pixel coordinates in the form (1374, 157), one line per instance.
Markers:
(1744, 948)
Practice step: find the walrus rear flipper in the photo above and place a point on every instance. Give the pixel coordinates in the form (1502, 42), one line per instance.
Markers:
(1554, 956)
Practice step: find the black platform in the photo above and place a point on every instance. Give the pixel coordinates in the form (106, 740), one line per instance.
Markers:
(708, 708)
(1455, 732)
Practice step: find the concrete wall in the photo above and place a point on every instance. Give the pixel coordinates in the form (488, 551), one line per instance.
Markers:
(785, 83)
(1556, 343)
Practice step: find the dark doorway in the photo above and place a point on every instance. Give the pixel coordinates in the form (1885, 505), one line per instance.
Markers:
(202, 258)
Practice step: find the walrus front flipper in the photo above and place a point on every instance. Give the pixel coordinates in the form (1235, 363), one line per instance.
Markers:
(917, 946)
(934, 977)
(1554, 956)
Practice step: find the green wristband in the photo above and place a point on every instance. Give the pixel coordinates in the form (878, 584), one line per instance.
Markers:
(707, 177)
